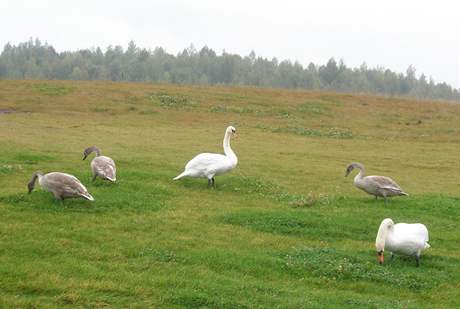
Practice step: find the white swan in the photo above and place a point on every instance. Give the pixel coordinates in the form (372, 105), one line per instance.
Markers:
(101, 166)
(208, 165)
(375, 185)
(401, 238)
(62, 185)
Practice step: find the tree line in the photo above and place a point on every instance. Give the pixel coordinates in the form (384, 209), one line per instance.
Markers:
(36, 60)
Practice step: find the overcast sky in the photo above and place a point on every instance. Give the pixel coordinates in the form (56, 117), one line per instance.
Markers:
(393, 34)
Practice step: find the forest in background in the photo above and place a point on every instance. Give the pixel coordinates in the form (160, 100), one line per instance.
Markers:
(37, 60)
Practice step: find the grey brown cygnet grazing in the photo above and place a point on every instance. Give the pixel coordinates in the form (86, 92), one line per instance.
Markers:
(62, 185)
(375, 185)
(101, 166)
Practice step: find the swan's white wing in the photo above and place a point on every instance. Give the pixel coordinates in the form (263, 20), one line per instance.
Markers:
(208, 165)
(408, 238)
(420, 231)
(205, 160)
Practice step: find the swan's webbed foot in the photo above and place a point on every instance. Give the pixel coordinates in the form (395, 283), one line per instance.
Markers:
(392, 256)
(94, 177)
(213, 182)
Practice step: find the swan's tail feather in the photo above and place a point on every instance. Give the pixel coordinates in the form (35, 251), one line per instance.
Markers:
(396, 191)
(427, 245)
(183, 174)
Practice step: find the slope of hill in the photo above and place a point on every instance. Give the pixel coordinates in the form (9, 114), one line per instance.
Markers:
(285, 229)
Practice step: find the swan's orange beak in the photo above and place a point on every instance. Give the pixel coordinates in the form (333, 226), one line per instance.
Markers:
(380, 257)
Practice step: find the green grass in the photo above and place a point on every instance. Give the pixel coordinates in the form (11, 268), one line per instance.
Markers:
(286, 229)
(171, 101)
(53, 90)
(329, 132)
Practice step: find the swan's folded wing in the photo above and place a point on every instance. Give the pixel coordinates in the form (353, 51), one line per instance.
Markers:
(109, 171)
(105, 169)
(414, 235)
(205, 160)
(420, 231)
(104, 166)
(67, 183)
(384, 182)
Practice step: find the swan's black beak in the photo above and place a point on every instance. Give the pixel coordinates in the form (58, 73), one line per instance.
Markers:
(84, 157)
(348, 171)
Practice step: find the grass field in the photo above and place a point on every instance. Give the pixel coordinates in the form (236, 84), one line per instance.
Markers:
(285, 229)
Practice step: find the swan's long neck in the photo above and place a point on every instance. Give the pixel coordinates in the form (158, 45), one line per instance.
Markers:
(360, 174)
(382, 235)
(91, 149)
(31, 184)
(227, 149)
(96, 150)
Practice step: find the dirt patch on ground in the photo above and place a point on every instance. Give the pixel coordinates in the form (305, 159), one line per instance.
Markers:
(7, 111)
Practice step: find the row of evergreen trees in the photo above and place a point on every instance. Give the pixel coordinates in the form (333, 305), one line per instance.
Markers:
(34, 60)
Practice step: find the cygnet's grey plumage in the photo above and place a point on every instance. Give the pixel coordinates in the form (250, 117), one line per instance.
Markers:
(62, 185)
(101, 166)
(379, 186)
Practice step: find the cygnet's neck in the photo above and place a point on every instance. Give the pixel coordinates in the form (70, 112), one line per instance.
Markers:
(360, 175)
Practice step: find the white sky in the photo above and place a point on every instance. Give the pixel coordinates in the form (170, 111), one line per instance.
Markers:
(393, 34)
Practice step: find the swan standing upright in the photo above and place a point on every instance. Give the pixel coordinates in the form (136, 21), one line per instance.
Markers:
(375, 185)
(101, 166)
(62, 185)
(208, 165)
(401, 238)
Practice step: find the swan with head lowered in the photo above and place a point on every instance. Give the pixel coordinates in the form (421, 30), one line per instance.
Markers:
(101, 166)
(375, 185)
(209, 165)
(401, 238)
(62, 185)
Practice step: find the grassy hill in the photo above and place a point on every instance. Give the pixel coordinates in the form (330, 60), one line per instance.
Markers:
(285, 229)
